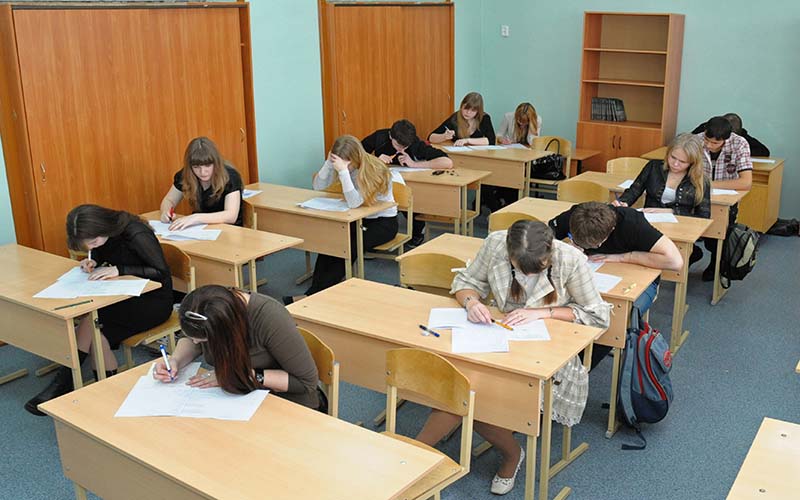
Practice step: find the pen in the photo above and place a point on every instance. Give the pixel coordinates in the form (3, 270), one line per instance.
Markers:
(166, 360)
(90, 254)
(629, 288)
(427, 331)
(73, 305)
(171, 213)
(502, 324)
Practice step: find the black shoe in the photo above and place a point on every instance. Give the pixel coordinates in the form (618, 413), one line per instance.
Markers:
(287, 299)
(416, 240)
(708, 274)
(60, 385)
(697, 254)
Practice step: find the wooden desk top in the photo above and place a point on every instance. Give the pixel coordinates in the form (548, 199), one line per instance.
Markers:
(393, 313)
(506, 154)
(286, 199)
(772, 466)
(635, 278)
(235, 245)
(26, 272)
(581, 154)
(656, 154)
(286, 451)
(766, 167)
(461, 177)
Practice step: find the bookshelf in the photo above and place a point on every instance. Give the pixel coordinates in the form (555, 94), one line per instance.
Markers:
(635, 57)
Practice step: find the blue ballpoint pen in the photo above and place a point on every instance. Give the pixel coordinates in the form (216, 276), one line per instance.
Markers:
(166, 360)
(427, 331)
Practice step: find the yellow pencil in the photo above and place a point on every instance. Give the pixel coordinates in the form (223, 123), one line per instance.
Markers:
(502, 324)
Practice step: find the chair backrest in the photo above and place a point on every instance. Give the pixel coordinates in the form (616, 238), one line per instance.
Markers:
(503, 220)
(627, 166)
(405, 202)
(577, 191)
(429, 272)
(540, 144)
(249, 216)
(327, 367)
(180, 265)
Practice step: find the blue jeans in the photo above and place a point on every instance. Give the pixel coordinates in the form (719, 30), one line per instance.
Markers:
(646, 299)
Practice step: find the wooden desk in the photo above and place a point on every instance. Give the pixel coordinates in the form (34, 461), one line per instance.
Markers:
(683, 234)
(635, 279)
(760, 207)
(656, 154)
(220, 262)
(286, 451)
(578, 157)
(772, 466)
(361, 320)
(322, 232)
(509, 167)
(445, 195)
(33, 324)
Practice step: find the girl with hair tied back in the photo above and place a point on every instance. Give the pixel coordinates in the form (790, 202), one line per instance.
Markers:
(531, 276)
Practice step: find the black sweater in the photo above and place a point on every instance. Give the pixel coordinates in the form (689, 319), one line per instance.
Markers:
(653, 179)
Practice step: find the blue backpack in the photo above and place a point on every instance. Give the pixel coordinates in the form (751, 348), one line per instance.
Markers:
(645, 390)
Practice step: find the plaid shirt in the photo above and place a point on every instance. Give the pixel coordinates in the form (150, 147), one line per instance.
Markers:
(574, 284)
(733, 158)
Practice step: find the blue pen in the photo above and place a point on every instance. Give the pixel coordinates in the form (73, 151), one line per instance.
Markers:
(426, 331)
(166, 361)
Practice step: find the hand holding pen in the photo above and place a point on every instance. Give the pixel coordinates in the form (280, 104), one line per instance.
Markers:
(164, 370)
(88, 264)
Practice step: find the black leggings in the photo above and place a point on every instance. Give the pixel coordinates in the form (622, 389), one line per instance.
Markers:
(329, 271)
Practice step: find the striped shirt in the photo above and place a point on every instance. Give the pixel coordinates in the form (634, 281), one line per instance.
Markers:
(733, 158)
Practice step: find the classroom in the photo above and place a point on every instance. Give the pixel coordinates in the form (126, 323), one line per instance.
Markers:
(373, 328)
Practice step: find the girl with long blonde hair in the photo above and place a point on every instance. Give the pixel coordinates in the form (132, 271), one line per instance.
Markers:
(212, 187)
(521, 126)
(470, 125)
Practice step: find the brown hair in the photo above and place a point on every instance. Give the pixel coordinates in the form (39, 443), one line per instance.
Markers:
(227, 332)
(473, 100)
(591, 223)
(202, 151)
(373, 175)
(693, 147)
(525, 112)
(530, 245)
(86, 222)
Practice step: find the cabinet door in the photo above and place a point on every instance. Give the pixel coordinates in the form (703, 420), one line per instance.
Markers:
(601, 137)
(633, 141)
(114, 95)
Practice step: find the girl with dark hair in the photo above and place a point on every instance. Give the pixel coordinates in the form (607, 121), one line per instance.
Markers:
(531, 276)
(125, 245)
(250, 340)
(469, 125)
(212, 187)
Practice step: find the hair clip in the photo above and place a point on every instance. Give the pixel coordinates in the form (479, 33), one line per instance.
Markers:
(195, 316)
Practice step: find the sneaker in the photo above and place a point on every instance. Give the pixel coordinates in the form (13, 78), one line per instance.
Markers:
(502, 485)
(416, 240)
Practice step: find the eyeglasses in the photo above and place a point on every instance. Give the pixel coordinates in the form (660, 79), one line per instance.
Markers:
(195, 316)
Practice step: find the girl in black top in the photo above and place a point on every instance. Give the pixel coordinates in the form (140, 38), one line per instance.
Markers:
(677, 184)
(125, 245)
(212, 187)
(469, 125)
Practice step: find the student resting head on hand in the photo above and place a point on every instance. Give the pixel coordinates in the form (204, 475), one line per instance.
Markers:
(469, 125)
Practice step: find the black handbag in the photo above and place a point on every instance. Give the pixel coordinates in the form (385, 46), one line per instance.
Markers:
(549, 167)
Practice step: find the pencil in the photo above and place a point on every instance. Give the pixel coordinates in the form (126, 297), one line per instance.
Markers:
(74, 304)
(502, 324)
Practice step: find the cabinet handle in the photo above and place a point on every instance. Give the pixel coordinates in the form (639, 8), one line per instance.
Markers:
(619, 143)
(241, 131)
(44, 172)
(612, 142)
(344, 116)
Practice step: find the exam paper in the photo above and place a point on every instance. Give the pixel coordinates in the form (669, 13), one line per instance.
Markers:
(605, 282)
(197, 232)
(490, 147)
(626, 184)
(724, 191)
(447, 317)
(152, 398)
(327, 204)
(475, 340)
(515, 146)
(762, 160)
(594, 266)
(457, 149)
(456, 318)
(409, 169)
(75, 283)
(249, 193)
(660, 217)
(535, 330)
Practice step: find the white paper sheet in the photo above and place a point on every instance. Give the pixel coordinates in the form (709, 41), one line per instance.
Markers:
(626, 184)
(762, 160)
(163, 227)
(75, 283)
(594, 266)
(151, 398)
(515, 146)
(489, 147)
(249, 193)
(447, 317)
(197, 232)
(723, 191)
(605, 282)
(327, 204)
(476, 340)
(660, 217)
(535, 330)
(409, 169)
(457, 149)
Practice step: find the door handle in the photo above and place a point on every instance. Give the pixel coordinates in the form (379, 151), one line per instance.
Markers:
(241, 131)
(44, 172)
(612, 142)
(619, 143)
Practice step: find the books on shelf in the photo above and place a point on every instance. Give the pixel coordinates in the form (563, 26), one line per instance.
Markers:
(608, 109)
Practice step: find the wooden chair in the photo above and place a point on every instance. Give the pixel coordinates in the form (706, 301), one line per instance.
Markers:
(627, 166)
(503, 220)
(435, 379)
(429, 272)
(580, 191)
(182, 271)
(327, 367)
(405, 202)
(541, 144)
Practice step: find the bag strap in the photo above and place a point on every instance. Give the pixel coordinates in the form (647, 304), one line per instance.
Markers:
(558, 151)
(626, 378)
(642, 441)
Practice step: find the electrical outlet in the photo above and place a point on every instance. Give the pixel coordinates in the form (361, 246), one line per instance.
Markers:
(504, 31)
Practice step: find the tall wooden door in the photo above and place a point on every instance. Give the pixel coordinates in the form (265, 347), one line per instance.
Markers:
(112, 97)
(381, 63)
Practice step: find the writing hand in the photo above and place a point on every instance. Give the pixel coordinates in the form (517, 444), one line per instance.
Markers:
(161, 374)
(406, 160)
(618, 203)
(182, 223)
(104, 273)
(461, 142)
(478, 313)
(386, 159)
(88, 265)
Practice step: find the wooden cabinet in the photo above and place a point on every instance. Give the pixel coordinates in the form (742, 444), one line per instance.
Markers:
(760, 207)
(108, 101)
(635, 58)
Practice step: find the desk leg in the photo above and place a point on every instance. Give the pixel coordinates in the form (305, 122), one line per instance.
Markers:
(679, 335)
(360, 248)
(13, 376)
(526, 190)
(80, 492)
(97, 347)
(547, 428)
(718, 292)
(464, 211)
(530, 466)
(612, 403)
(310, 272)
(253, 276)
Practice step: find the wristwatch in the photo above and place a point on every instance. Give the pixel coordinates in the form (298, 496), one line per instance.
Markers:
(260, 379)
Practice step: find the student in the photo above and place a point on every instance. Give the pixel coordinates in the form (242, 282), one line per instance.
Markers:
(470, 125)
(250, 340)
(520, 127)
(676, 185)
(400, 146)
(125, 245)
(214, 188)
(531, 276)
(365, 180)
(618, 234)
(726, 160)
(757, 148)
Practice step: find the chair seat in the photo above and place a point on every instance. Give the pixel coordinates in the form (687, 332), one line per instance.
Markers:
(446, 472)
(394, 243)
(471, 214)
(546, 182)
(155, 333)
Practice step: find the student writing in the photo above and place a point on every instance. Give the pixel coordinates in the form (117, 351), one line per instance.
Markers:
(521, 126)
(469, 125)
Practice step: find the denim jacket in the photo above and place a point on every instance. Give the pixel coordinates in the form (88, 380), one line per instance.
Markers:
(653, 179)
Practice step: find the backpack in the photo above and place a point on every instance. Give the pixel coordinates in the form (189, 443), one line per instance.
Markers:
(738, 254)
(645, 390)
(785, 227)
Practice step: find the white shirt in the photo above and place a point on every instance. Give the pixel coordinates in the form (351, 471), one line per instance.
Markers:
(507, 128)
(349, 180)
(668, 196)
